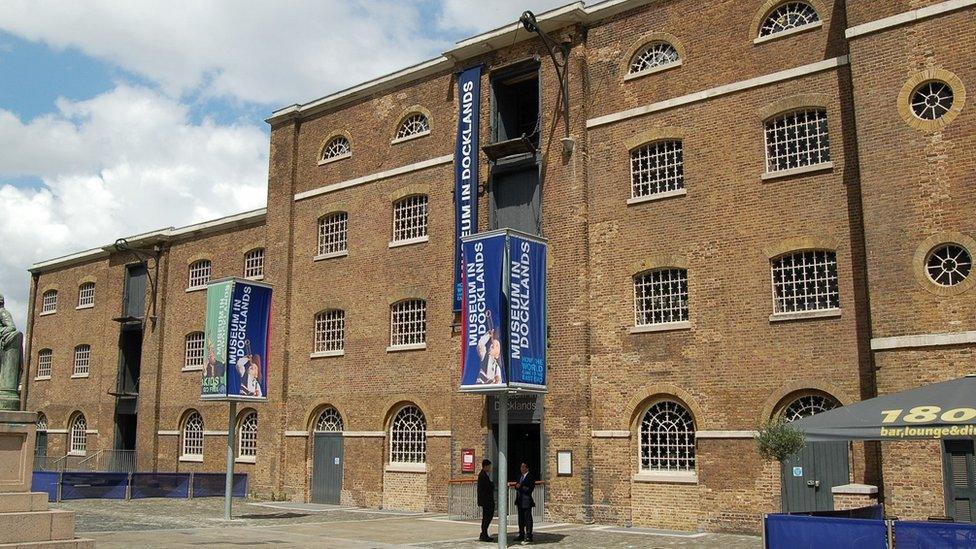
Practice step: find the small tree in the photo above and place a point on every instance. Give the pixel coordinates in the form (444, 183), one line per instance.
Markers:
(778, 440)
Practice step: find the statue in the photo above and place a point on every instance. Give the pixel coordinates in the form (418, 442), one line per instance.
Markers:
(11, 345)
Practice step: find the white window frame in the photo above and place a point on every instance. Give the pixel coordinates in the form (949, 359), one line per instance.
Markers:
(654, 296)
(808, 405)
(333, 236)
(763, 36)
(191, 437)
(329, 337)
(45, 359)
(82, 361)
(783, 312)
(410, 220)
(49, 302)
(329, 421)
(408, 325)
(78, 436)
(414, 125)
(667, 57)
(658, 166)
(86, 295)
(408, 437)
(679, 455)
(198, 274)
(783, 141)
(254, 264)
(336, 149)
(194, 351)
(247, 447)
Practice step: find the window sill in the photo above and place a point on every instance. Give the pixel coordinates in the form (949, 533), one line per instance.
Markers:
(663, 327)
(654, 70)
(410, 347)
(42, 378)
(409, 241)
(245, 459)
(77, 453)
(83, 307)
(394, 141)
(657, 196)
(800, 315)
(791, 32)
(332, 255)
(324, 161)
(406, 467)
(669, 477)
(195, 289)
(191, 459)
(327, 354)
(79, 376)
(192, 369)
(45, 313)
(821, 167)
(254, 278)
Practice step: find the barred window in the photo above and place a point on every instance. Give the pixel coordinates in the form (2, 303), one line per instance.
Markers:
(788, 16)
(199, 274)
(86, 295)
(82, 360)
(808, 405)
(254, 263)
(661, 296)
(329, 421)
(932, 100)
(657, 168)
(797, 139)
(948, 264)
(667, 438)
(653, 55)
(336, 148)
(410, 218)
(408, 323)
(408, 436)
(330, 331)
(333, 233)
(415, 124)
(805, 281)
(247, 436)
(193, 435)
(194, 346)
(78, 439)
(44, 359)
(49, 301)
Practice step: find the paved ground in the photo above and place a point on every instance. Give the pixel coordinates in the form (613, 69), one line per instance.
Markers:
(194, 523)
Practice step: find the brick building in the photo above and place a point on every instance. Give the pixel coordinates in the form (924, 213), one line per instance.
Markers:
(756, 210)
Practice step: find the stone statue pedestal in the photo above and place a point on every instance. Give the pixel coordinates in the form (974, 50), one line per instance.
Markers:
(25, 520)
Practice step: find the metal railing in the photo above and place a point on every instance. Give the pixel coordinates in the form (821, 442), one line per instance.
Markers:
(104, 461)
(462, 499)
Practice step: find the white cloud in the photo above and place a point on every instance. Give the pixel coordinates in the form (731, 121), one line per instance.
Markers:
(475, 17)
(120, 163)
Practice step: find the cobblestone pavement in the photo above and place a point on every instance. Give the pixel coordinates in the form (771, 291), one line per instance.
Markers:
(155, 523)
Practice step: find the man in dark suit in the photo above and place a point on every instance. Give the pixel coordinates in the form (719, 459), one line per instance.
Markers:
(524, 503)
(486, 498)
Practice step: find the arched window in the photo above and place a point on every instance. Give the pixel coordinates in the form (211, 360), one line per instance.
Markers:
(333, 234)
(247, 436)
(408, 323)
(82, 360)
(254, 263)
(337, 148)
(797, 139)
(40, 446)
(415, 124)
(44, 359)
(192, 444)
(49, 302)
(410, 218)
(660, 297)
(805, 281)
(788, 16)
(330, 331)
(657, 168)
(78, 435)
(655, 54)
(194, 354)
(808, 405)
(41, 421)
(329, 421)
(86, 295)
(199, 274)
(667, 438)
(408, 436)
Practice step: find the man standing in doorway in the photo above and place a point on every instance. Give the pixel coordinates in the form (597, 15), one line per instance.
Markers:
(524, 503)
(486, 498)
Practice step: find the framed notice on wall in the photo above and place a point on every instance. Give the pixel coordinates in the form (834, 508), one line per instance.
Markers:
(564, 463)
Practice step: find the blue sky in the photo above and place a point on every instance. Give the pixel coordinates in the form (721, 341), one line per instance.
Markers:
(118, 117)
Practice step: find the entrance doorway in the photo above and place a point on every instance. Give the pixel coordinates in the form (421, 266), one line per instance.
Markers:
(959, 480)
(327, 468)
(807, 477)
(524, 445)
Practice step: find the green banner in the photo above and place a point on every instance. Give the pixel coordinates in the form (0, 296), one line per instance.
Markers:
(215, 338)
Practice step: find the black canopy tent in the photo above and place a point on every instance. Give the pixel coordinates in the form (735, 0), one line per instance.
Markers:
(940, 410)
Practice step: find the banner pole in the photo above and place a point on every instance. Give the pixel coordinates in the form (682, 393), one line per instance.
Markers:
(503, 469)
(229, 481)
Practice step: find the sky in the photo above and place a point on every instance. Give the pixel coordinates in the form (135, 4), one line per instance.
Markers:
(122, 117)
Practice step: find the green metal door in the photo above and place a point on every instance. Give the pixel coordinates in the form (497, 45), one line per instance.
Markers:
(807, 478)
(327, 468)
(959, 480)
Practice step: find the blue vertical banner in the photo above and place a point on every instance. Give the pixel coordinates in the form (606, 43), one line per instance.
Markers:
(466, 169)
(482, 321)
(526, 312)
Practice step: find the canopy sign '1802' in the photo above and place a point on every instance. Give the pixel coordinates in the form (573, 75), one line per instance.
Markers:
(503, 315)
(236, 334)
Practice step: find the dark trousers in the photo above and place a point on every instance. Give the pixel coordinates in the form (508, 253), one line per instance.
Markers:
(525, 522)
(487, 513)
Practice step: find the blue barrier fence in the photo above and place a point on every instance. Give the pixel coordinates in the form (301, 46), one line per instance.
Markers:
(934, 535)
(809, 532)
(102, 485)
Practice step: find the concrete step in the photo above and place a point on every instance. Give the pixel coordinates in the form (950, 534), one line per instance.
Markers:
(23, 501)
(34, 526)
(56, 544)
